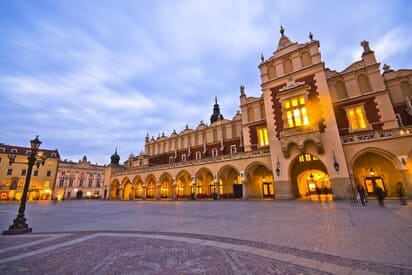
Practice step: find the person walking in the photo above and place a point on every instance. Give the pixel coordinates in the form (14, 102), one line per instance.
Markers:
(362, 195)
(380, 195)
(401, 192)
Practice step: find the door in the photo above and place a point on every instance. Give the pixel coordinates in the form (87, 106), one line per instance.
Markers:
(237, 191)
(268, 190)
(371, 182)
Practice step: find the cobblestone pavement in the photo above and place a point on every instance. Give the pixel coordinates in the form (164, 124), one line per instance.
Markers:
(224, 237)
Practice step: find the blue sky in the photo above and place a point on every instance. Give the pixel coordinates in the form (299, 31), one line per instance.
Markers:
(89, 76)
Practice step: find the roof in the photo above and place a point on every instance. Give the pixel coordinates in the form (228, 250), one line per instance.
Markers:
(18, 150)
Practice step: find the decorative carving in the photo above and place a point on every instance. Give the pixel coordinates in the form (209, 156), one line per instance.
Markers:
(311, 36)
(262, 58)
(291, 84)
(365, 45)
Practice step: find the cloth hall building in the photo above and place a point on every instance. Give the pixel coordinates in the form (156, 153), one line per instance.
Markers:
(314, 133)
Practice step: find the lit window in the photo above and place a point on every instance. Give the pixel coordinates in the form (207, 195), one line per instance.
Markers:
(356, 117)
(263, 137)
(296, 112)
(232, 149)
(198, 155)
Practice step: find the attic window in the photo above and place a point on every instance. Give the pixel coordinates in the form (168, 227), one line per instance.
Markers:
(53, 154)
(13, 151)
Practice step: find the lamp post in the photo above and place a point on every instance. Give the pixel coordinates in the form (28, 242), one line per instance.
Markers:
(19, 225)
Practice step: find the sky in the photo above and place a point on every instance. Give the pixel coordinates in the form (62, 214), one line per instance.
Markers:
(92, 76)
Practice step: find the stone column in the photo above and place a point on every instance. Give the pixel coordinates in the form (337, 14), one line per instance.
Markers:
(244, 195)
(120, 194)
(407, 182)
(217, 189)
(133, 193)
(144, 192)
(158, 185)
(174, 186)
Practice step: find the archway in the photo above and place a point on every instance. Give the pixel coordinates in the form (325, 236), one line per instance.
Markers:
(151, 187)
(183, 185)
(79, 195)
(138, 187)
(205, 184)
(230, 184)
(259, 181)
(374, 168)
(310, 179)
(127, 189)
(166, 186)
(114, 190)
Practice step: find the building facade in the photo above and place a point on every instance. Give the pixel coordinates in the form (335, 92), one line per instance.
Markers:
(13, 176)
(314, 133)
(78, 180)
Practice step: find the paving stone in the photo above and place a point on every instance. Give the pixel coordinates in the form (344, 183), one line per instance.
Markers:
(335, 269)
(306, 262)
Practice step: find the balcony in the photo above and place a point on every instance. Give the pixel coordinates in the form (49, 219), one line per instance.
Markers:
(376, 135)
(299, 136)
(194, 162)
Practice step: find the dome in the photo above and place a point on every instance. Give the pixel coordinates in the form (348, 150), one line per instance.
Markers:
(115, 158)
(216, 116)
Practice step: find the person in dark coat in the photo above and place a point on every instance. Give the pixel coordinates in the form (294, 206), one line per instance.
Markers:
(362, 195)
(402, 193)
(380, 195)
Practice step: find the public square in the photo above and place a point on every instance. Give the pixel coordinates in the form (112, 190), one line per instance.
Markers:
(208, 237)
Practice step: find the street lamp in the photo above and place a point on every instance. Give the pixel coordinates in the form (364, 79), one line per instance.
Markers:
(19, 225)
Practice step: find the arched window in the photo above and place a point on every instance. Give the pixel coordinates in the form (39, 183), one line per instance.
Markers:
(287, 66)
(406, 89)
(340, 90)
(262, 111)
(364, 85)
(250, 114)
(234, 131)
(214, 135)
(306, 59)
(272, 72)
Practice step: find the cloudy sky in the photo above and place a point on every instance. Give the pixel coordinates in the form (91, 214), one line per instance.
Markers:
(89, 76)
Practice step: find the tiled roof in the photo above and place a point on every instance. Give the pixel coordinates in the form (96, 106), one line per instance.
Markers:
(18, 150)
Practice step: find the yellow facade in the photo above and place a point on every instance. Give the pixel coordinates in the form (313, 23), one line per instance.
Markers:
(12, 177)
(314, 133)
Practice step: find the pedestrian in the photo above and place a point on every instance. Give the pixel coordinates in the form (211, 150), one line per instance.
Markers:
(380, 195)
(402, 193)
(362, 195)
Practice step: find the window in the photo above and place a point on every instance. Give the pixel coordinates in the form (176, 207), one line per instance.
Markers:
(198, 155)
(70, 182)
(171, 158)
(287, 66)
(399, 120)
(13, 151)
(36, 173)
(232, 149)
(61, 182)
(340, 90)
(81, 183)
(9, 172)
(90, 182)
(97, 183)
(48, 173)
(23, 172)
(214, 153)
(263, 138)
(363, 82)
(306, 59)
(296, 112)
(183, 157)
(356, 117)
